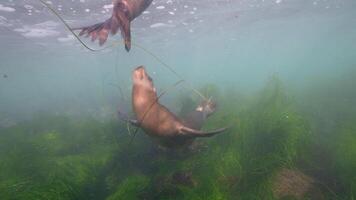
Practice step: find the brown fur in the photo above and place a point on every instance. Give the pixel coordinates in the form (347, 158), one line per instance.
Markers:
(153, 117)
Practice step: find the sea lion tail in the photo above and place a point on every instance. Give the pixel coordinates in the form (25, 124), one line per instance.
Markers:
(112, 25)
(197, 133)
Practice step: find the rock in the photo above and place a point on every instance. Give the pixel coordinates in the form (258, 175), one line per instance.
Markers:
(294, 183)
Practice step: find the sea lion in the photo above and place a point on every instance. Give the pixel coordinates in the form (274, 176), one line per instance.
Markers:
(124, 11)
(157, 121)
(196, 118)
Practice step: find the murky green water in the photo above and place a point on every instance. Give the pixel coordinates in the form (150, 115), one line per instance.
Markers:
(282, 73)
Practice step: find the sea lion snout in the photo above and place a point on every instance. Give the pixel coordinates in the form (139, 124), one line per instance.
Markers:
(140, 76)
(138, 73)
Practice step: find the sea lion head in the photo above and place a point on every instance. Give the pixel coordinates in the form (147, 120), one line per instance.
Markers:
(142, 79)
(207, 106)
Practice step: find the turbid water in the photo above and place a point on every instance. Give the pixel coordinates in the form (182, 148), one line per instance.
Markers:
(282, 73)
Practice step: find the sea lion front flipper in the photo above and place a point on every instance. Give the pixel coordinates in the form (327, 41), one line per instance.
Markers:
(197, 133)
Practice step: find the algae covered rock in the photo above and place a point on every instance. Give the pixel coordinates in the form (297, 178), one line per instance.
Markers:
(295, 184)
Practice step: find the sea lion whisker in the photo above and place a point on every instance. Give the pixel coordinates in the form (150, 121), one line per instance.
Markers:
(128, 128)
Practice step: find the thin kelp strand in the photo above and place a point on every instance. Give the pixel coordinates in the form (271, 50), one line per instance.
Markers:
(68, 27)
(120, 90)
(114, 44)
(149, 108)
(170, 69)
(117, 74)
(128, 128)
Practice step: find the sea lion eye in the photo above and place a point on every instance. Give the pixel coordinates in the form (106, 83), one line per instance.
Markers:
(149, 78)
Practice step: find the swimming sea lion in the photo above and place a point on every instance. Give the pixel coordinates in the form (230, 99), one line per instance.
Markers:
(196, 118)
(156, 120)
(124, 12)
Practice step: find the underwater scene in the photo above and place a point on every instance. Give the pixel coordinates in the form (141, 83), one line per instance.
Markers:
(177, 99)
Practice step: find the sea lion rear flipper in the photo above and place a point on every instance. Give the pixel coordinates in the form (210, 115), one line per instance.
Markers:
(97, 31)
(197, 133)
(101, 30)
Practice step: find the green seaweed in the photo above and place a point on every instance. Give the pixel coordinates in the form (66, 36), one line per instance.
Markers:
(344, 158)
(57, 157)
(52, 158)
(130, 188)
(330, 158)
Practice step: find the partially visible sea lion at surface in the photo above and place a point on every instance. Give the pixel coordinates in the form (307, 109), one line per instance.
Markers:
(157, 121)
(124, 11)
